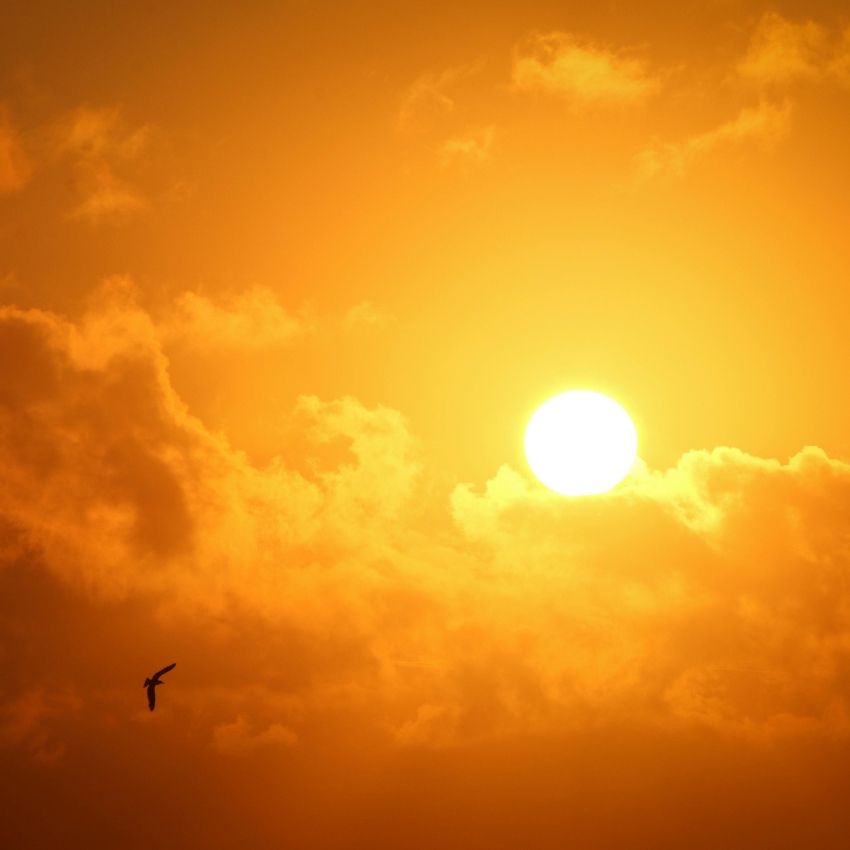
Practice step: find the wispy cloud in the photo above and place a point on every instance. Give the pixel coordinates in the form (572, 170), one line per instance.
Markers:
(560, 64)
(237, 738)
(105, 194)
(471, 149)
(15, 166)
(427, 98)
(102, 149)
(24, 722)
(365, 315)
(781, 50)
(251, 320)
(839, 65)
(766, 123)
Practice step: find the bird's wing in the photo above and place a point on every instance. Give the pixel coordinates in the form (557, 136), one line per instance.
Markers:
(165, 670)
(151, 697)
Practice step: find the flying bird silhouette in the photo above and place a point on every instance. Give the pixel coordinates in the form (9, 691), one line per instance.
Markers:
(151, 684)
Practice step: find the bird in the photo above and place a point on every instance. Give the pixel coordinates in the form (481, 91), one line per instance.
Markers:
(151, 684)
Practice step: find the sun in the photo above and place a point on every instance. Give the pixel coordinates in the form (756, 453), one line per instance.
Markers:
(580, 442)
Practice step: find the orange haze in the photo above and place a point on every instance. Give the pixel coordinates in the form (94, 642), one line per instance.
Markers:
(281, 284)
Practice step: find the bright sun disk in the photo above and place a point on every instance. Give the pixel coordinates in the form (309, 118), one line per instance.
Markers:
(580, 442)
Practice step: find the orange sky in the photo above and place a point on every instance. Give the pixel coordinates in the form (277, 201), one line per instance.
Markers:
(281, 284)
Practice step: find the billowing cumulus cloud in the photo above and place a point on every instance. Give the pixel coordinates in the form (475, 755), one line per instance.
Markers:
(765, 124)
(716, 615)
(558, 63)
(712, 595)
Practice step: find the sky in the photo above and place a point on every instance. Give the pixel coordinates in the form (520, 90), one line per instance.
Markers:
(281, 284)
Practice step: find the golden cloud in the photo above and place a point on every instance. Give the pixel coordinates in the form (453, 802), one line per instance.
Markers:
(427, 99)
(252, 320)
(558, 63)
(470, 149)
(102, 149)
(767, 123)
(712, 595)
(782, 51)
(365, 315)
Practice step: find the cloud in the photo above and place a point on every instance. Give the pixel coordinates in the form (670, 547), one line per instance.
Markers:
(781, 50)
(767, 123)
(431, 97)
(98, 132)
(470, 149)
(560, 64)
(103, 150)
(134, 493)
(427, 99)
(105, 194)
(252, 320)
(710, 596)
(839, 65)
(733, 627)
(365, 315)
(237, 739)
(15, 167)
(331, 619)
(23, 722)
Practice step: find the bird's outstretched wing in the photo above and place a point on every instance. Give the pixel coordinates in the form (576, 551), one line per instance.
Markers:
(151, 697)
(165, 670)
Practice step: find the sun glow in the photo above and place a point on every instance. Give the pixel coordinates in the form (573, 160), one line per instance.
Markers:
(580, 442)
